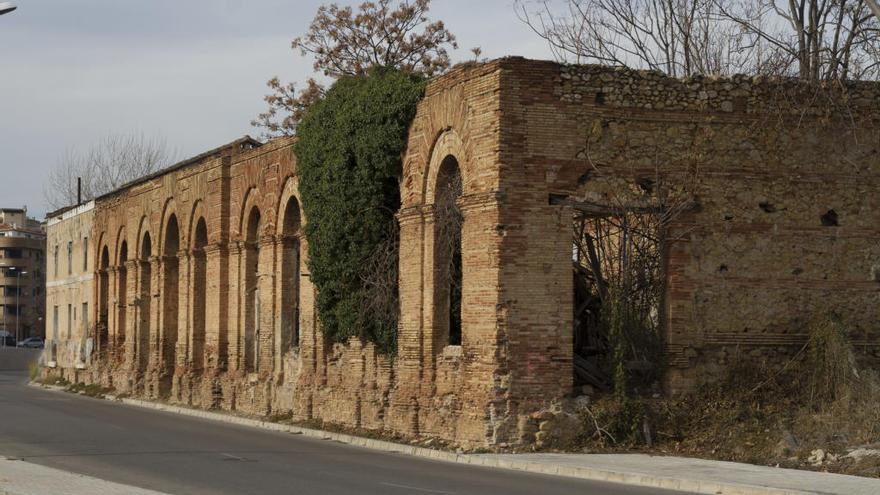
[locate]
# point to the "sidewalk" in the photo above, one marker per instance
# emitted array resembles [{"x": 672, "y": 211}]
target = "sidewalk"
[
  {"x": 690, "y": 475},
  {"x": 676, "y": 473},
  {"x": 23, "y": 478}
]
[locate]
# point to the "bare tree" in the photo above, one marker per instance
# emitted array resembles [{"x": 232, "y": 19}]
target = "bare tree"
[
  {"x": 814, "y": 39},
  {"x": 286, "y": 106},
  {"x": 345, "y": 43},
  {"x": 677, "y": 37},
  {"x": 817, "y": 39},
  {"x": 108, "y": 164}
]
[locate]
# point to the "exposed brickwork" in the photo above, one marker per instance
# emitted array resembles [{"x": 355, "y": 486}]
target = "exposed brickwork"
[{"x": 208, "y": 314}]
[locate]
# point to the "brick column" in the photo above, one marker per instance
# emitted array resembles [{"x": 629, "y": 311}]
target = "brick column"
[
  {"x": 112, "y": 313},
  {"x": 155, "y": 318},
  {"x": 266, "y": 277},
  {"x": 279, "y": 246},
  {"x": 236, "y": 309},
  {"x": 404, "y": 402},
  {"x": 144, "y": 330},
  {"x": 217, "y": 311},
  {"x": 183, "y": 350},
  {"x": 132, "y": 293}
]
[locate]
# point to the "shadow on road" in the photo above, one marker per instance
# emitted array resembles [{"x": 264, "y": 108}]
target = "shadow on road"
[{"x": 18, "y": 359}]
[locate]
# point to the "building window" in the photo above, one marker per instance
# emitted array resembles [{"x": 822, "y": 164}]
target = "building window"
[
  {"x": 55, "y": 260},
  {"x": 55, "y": 323},
  {"x": 84, "y": 317},
  {"x": 69, "y": 320},
  {"x": 85, "y": 254},
  {"x": 69, "y": 257}
]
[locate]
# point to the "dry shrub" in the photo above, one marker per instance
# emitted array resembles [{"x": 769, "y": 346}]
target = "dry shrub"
[{"x": 819, "y": 398}]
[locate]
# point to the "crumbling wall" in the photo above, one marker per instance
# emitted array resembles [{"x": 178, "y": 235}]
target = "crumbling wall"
[{"x": 783, "y": 225}]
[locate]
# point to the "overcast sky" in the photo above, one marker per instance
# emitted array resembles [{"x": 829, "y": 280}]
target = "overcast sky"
[{"x": 192, "y": 71}]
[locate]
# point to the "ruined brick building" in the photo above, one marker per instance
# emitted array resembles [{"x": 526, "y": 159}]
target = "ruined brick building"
[{"x": 203, "y": 296}]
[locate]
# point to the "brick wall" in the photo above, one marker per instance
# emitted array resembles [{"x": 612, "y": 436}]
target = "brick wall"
[{"x": 746, "y": 268}]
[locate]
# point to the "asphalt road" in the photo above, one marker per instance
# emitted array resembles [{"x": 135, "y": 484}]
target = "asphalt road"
[{"x": 181, "y": 455}]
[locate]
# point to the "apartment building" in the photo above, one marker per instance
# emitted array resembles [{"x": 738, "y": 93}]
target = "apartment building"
[
  {"x": 69, "y": 290},
  {"x": 22, "y": 274}
]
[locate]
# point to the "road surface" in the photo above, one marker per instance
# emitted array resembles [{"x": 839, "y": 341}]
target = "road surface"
[{"x": 183, "y": 455}]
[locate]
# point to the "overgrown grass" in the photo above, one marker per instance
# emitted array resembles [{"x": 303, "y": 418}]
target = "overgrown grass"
[{"x": 754, "y": 413}]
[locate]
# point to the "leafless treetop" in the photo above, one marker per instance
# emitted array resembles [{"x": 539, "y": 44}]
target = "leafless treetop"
[
  {"x": 108, "y": 164},
  {"x": 812, "y": 39}
]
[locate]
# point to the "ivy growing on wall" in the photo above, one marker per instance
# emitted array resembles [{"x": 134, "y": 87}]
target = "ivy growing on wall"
[{"x": 349, "y": 154}]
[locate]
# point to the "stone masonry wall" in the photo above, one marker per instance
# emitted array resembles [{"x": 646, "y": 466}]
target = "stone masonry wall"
[{"x": 785, "y": 227}]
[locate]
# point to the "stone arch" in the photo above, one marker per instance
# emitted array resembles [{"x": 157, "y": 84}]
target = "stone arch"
[
  {"x": 448, "y": 274},
  {"x": 170, "y": 287},
  {"x": 447, "y": 144},
  {"x": 290, "y": 237},
  {"x": 251, "y": 290},
  {"x": 199, "y": 239},
  {"x": 145, "y": 300},
  {"x": 142, "y": 233},
  {"x": 121, "y": 290},
  {"x": 102, "y": 330}
]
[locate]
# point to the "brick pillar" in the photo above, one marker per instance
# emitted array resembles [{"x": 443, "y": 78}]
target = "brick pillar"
[
  {"x": 266, "y": 277},
  {"x": 112, "y": 313},
  {"x": 142, "y": 319},
  {"x": 484, "y": 340},
  {"x": 309, "y": 339},
  {"x": 279, "y": 246},
  {"x": 155, "y": 317},
  {"x": 435, "y": 327},
  {"x": 217, "y": 311},
  {"x": 404, "y": 405},
  {"x": 183, "y": 350},
  {"x": 132, "y": 296},
  {"x": 236, "y": 310}
]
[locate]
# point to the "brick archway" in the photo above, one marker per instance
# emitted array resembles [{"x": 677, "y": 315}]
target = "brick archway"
[{"x": 170, "y": 306}]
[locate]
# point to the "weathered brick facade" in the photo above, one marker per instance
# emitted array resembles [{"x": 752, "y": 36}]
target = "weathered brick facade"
[{"x": 206, "y": 299}]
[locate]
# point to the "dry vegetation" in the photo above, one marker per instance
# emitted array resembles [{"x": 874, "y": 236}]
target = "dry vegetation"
[{"x": 818, "y": 411}]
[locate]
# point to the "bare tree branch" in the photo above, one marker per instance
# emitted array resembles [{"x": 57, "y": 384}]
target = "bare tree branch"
[{"x": 108, "y": 164}]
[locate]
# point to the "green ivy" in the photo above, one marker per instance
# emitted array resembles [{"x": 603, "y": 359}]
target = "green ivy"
[{"x": 349, "y": 153}]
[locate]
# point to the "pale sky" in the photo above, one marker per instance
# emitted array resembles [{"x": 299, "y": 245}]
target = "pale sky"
[{"x": 192, "y": 71}]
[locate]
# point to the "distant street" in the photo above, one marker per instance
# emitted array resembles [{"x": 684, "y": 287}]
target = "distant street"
[{"x": 183, "y": 455}]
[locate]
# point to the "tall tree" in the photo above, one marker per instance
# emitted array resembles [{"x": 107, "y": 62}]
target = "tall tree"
[
  {"x": 106, "y": 165},
  {"x": 344, "y": 43},
  {"x": 812, "y": 39}
]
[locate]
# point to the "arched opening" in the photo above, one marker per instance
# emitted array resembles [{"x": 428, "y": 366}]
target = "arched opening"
[
  {"x": 251, "y": 292},
  {"x": 200, "y": 289},
  {"x": 122, "y": 295},
  {"x": 146, "y": 303},
  {"x": 290, "y": 273},
  {"x": 102, "y": 331},
  {"x": 170, "y": 281},
  {"x": 447, "y": 251}
]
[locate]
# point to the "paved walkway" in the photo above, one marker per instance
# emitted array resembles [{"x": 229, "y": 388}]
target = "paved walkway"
[
  {"x": 692, "y": 475},
  {"x": 23, "y": 478}
]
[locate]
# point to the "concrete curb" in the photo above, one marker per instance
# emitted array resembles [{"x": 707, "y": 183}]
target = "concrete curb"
[{"x": 694, "y": 485}]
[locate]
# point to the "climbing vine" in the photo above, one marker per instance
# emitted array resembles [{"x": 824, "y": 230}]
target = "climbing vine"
[{"x": 349, "y": 153}]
